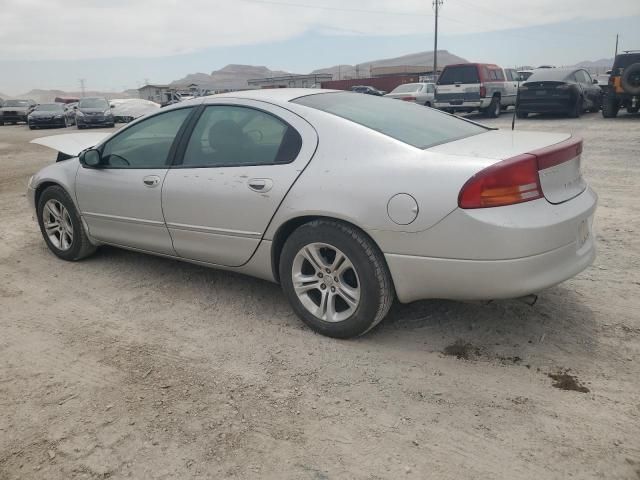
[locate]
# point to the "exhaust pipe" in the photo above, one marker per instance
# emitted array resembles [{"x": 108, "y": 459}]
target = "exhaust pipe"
[{"x": 529, "y": 299}]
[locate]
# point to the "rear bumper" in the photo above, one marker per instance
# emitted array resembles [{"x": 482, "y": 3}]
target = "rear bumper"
[
  {"x": 466, "y": 105},
  {"x": 417, "y": 278},
  {"x": 546, "y": 106}
]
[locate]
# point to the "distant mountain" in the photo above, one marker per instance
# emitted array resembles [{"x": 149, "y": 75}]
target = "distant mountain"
[
  {"x": 412, "y": 59},
  {"x": 231, "y": 77},
  {"x": 602, "y": 63},
  {"x": 47, "y": 96}
]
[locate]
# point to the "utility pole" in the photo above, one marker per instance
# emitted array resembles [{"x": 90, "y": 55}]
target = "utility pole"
[
  {"x": 436, "y": 4},
  {"x": 82, "y": 88},
  {"x": 617, "y": 35}
]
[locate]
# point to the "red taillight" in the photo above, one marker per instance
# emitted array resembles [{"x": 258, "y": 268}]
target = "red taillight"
[
  {"x": 483, "y": 91},
  {"x": 511, "y": 181},
  {"x": 409, "y": 99},
  {"x": 516, "y": 179}
]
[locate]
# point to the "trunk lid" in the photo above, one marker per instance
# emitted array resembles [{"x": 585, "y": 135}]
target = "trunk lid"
[{"x": 558, "y": 156}]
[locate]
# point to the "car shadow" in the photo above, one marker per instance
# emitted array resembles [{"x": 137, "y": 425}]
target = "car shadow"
[{"x": 560, "y": 323}]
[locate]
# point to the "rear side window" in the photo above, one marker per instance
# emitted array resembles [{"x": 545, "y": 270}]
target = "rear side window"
[
  {"x": 459, "y": 74},
  {"x": 495, "y": 74},
  {"x": 408, "y": 122},
  {"x": 230, "y": 136}
]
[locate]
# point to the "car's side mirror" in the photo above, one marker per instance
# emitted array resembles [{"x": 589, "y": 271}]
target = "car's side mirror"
[
  {"x": 90, "y": 158},
  {"x": 75, "y": 107},
  {"x": 595, "y": 81},
  {"x": 112, "y": 106}
]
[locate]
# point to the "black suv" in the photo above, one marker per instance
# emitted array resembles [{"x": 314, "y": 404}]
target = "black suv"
[{"x": 624, "y": 85}]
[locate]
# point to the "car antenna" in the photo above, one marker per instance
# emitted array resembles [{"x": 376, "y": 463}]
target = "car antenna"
[{"x": 515, "y": 108}]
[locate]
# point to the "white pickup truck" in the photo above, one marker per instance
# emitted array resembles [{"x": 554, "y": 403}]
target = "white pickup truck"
[{"x": 468, "y": 87}]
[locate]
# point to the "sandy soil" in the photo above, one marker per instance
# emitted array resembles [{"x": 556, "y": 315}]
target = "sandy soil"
[{"x": 131, "y": 366}]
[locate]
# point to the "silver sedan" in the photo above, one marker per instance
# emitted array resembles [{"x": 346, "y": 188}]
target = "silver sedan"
[
  {"x": 348, "y": 201},
  {"x": 421, "y": 93}
]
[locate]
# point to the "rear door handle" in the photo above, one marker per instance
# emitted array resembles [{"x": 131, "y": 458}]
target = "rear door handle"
[
  {"x": 260, "y": 185},
  {"x": 151, "y": 181}
]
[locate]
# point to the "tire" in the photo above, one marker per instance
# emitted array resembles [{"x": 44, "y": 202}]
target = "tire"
[
  {"x": 364, "y": 272},
  {"x": 79, "y": 245},
  {"x": 427, "y": 104},
  {"x": 577, "y": 109},
  {"x": 112, "y": 125},
  {"x": 31, "y": 128},
  {"x": 610, "y": 106},
  {"x": 630, "y": 80},
  {"x": 597, "y": 105},
  {"x": 633, "y": 109},
  {"x": 521, "y": 114},
  {"x": 494, "y": 109},
  {"x": 80, "y": 127}
]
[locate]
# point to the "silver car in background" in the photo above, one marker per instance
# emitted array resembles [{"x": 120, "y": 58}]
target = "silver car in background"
[
  {"x": 347, "y": 200},
  {"x": 420, "y": 93}
]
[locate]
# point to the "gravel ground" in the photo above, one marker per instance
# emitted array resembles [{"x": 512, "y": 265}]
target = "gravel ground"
[{"x": 132, "y": 366}]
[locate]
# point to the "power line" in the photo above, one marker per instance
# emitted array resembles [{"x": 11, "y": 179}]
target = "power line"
[{"x": 338, "y": 9}]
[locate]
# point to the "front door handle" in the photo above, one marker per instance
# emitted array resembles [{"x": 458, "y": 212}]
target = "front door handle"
[
  {"x": 151, "y": 181},
  {"x": 260, "y": 185}
]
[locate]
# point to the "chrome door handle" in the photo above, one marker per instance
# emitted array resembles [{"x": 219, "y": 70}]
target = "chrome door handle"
[
  {"x": 260, "y": 185},
  {"x": 151, "y": 181}
]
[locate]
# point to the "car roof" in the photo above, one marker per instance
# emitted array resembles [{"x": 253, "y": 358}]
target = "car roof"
[{"x": 269, "y": 94}]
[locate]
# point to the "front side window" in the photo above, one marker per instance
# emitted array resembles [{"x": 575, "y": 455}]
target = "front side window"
[
  {"x": 230, "y": 136},
  {"x": 145, "y": 144},
  {"x": 408, "y": 122}
]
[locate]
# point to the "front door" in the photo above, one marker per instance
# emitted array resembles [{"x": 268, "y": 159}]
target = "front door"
[
  {"x": 121, "y": 201},
  {"x": 240, "y": 162}
]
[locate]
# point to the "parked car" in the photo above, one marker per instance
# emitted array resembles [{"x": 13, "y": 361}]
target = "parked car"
[
  {"x": 624, "y": 85},
  {"x": 126, "y": 110},
  {"x": 484, "y": 87},
  {"x": 559, "y": 90},
  {"x": 51, "y": 115},
  {"x": 420, "y": 93},
  {"x": 94, "y": 112},
  {"x": 368, "y": 90},
  {"x": 346, "y": 200},
  {"x": 14, "y": 111}
]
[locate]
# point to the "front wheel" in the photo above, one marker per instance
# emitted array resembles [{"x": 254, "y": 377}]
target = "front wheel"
[
  {"x": 335, "y": 278},
  {"x": 577, "y": 109},
  {"x": 61, "y": 226}
]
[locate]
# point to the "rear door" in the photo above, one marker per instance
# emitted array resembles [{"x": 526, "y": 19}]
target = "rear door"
[
  {"x": 237, "y": 165},
  {"x": 511, "y": 85}
]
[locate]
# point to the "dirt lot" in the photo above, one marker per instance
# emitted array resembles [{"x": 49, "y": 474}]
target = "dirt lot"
[{"x": 131, "y": 366}]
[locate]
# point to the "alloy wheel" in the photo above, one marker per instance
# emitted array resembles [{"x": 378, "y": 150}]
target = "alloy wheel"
[
  {"x": 57, "y": 225},
  {"x": 326, "y": 282}
]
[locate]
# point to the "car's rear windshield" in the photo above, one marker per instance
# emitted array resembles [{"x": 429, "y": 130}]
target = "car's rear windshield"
[
  {"x": 16, "y": 103},
  {"x": 408, "y": 87},
  {"x": 549, "y": 75},
  {"x": 410, "y": 123},
  {"x": 50, "y": 107},
  {"x": 459, "y": 74},
  {"x": 93, "y": 103}
]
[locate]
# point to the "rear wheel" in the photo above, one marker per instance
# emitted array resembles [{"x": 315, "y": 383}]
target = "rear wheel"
[
  {"x": 427, "y": 104},
  {"x": 610, "y": 106},
  {"x": 493, "y": 110},
  {"x": 61, "y": 226},
  {"x": 576, "y": 110},
  {"x": 633, "y": 109},
  {"x": 335, "y": 278}
]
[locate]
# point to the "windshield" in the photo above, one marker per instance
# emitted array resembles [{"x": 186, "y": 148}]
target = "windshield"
[
  {"x": 461, "y": 74},
  {"x": 408, "y": 87},
  {"x": 16, "y": 103},
  {"x": 50, "y": 107},
  {"x": 408, "y": 122},
  {"x": 93, "y": 103}
]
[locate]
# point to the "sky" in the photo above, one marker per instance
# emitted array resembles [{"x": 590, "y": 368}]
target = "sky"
[{"x": 119, "y": 44}]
